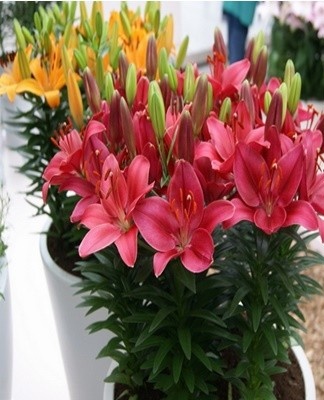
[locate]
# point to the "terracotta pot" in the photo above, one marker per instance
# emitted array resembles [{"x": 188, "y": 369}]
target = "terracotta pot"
[
  {"x": 5, "y": 333},
  {"x": 85, "y": 374},
  {"x": 310, "y": 391}
]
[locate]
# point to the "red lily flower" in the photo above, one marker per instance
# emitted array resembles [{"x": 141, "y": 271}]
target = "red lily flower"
[
  {"x": 180, "y": 225},
  {"x": 268, "y": 194},
  {"x": 110, "y": 221}
]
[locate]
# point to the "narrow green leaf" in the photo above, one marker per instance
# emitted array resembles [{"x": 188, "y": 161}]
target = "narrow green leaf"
[
  {"x": 207, "y": 315},
  {"x": 189, "y": 379},
  {"x": 202, "y": 357},
  {"x": 271, "y": 338},
  {"x": 256, "y": 316},
  {"x": 177, "y": 363},
  {"x": 184, "y": 336},
  {"x": 281, "y": 314},
  {"x": 186, "y": 277},
  {"x": 238, "y": 297},
  {"x": 263, "y": 285},
  {"x": 247, "y": 340},
  {"x": 160, "y": 317},
  {"x": 163, "y": 351}
]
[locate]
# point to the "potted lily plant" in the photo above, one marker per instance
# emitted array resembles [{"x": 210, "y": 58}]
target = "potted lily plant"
[
  {"x": 199, "y": 195},
  {"x": 46, "y": 72}
]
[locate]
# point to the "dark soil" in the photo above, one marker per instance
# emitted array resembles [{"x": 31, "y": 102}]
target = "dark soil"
[{"x": 288, "y": 386}]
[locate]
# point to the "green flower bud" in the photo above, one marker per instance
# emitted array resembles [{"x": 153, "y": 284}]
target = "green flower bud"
[
  {"x": 123, "y": 68},
  {"x": 156, "y": 109},
  {"x": 47, "y": 43},
  {"x": 189, "y": 83},
  {"x": 67, "y": 33},
  {"x": 114, "y": 48},
  {"x": 57, "y": 13},
  {"x": 182, "y": 52},
  {"x": 99, "y": 24},
  {"x": 163, "y": 63},
  {"x": 267, "y": 101},
  {"x": 186, "y": 149},
  {"x": 88, "y": 30},
  {"x": 80, "y": 58},
  {"x": 37, "y": 22},
  {"x": 131, "y": 84},
  {"x": 49, "y": 25},
  {"x": 275, "y": 113},
  {"x": 257, "y": 46},
  {"x": 172, "y": 77},
  {"x": 72, "y": 10},
  {"x": 284, "y": 95},
  {"x": 225, "y": 110},
  {"x": 19, "y": 34},
  {"x": 260, "y": 69},
  {"x": 28, "y": 36},
  {"x": 100, "y": 73},
  {"x": 108, "y": 87},
  {"x": 23, "y": 64},
  {"x": 210, "y": 98},
  {"x": 246, "y": 96},
  {"x": 289, "y": 73},
  {"x": 83, "y": 12},
  {"x": 294, "y": 93},
  {"x": 125, "y": 24}
]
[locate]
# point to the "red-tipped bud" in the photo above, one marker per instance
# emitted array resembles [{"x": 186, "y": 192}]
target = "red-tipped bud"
[
  {"x": 246, "y": 96},
  {"x": 199, "y": 104},
  {"x": 151, "y": 58},
  {"x": 274, "y": 116},
  {"x": 127, "y": 128},
  {"x": 123, "y": 68},
  {"x": 186, "y": 137},
  {"x": 219, "y": 44},
  {"x": 260, "y": 68},
  {"x": 115, "y": 120},
  {"x": 92, "y": 91}
]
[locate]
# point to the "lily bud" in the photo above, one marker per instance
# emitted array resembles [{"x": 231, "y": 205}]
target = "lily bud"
[
  {"x": 182, "y": 52},
  {"x": 23, "y": 64},
  {"x": 156, "y": 109},
  {"x": 99, "y": 25},
  {"x": 28, "y": 36},
  {"x": 49, "y": 25},
  {"x": 19, "y": 34},
  {"x": 57, "y": 13},
  {"x": 189, "y": 83},
  {"x": 151, "y": 58},
  {"x": 75, "y": 99},
  {"x": 72, "y": 10},
  {"x": 274, "y": 116},
  {"x": 123, "y": 68},
  {"x": 289, "y": 73},
  {"x": 115, "y": 120},
  {"x": 67, "y": 65},
  {"x": 225, "y": 110},
  {"x": 210, "y": 98},
  {"x": 163, "y": 62},
  {"x": 199, "y": 104},
  {"x": 114, "y": 48},
  {"x": 108, "y": 87},
  {"x": 294, "y": 93},
  {"x": 87, "y": 29},
  {"x": 83, "y": 12},
  {"x": 37, "y": 22},
  {"x": 260, "y": 68},
  {"x": 284, "y": 94},
  {"x": 125, "y": 24},
  {"x": 92, "y": 91},
  {"x": 100, "y": 73},
  {"x": 219, "y": 44},
  {"x": 246, "y": 96},
  {"x": 186, "y": 148},
  {"x": 172, "y": 78},
  {"x": 131, "y": 84},
  {"x": 166, "y": 91},
  {"x": 96, "y": 8},
  {"x": 267, "y": 101},
  {"x": 257, "y": 46},
  {"x": 67, "y": 33},
  {"x": 47, "y": 43},
  {"x": 80, "y": 58},
  {"x": 127, "y": 128}
]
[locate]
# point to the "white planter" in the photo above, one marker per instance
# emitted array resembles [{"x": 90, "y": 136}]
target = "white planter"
[
  {"x": 85, "y": 374},
  {"x": 5, "y": 333},
  {"x": 310, "y": 391}
]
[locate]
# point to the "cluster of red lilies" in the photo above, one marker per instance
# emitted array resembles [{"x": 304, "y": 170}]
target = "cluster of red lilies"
[{"x": 169, "y": 159}]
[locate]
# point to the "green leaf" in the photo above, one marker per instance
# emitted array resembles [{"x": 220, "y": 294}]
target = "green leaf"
[
  {"x": 271, "y": 338},
  {"x": 184, "y": 336},
  {"x": 207, "y": 315},
  {"x": 247, "y": 339},
  {"x": 177, "y": 363},
  {"x": 263, "y": 285},
  {"x": 187, "y": 278},
  {"x": 160, "y": 317},
  {"x": 189, "y": 379},
  {"x": 201, "y": 355},
  {"x": 161, "y": 354},
  {"x": 256, "y": 316},
  {"x": 281, "y": 314},
  {"x": 238, "y": 297}
]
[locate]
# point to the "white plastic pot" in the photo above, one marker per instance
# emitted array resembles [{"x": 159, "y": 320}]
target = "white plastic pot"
[
  {"x": 5, "y": 333},
  {"x": 310, "y": 391},
  {"x": 85, "y": 374}
]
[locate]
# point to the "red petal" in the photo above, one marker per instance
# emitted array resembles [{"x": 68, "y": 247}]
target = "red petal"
[
  {"x": 301, "y": 213},
  {"x": 161, "y": 260},
  {"x": 199, "y": 255},
  {"x": 215, "y": 213},
  {"x": 270, "y": 223},
  {"x": 127, "y": 246},
  {"x": 98, "y": 238}
]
